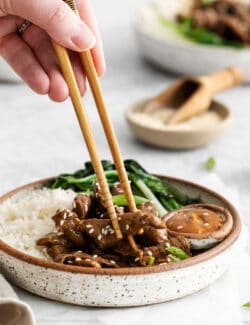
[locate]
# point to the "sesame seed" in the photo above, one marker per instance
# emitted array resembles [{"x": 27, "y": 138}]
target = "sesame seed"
[
  {"x": 91, "y": 230},
  {"x": 168, "y": 244},
  {"x": 61, "y": 222},
  {"x": 69, "y": 262},
  {"x": 127, "y": 227},
  {"x": 103, "y": 231},
  {"x": 99, "y": 237},
  {"x": 205, "y": 213},
  {"x": 95, "y": 256},
  {"x": 164, "y": 237},
  {"x": 112, "y": 262},
  {"x": 78, "y": 259},
  {"x": 169, "y": 260},
  {"x": 79, "y": 251},
  {"x": 60, "y": 233},
  {"x": 206, "y": 224},
  {"x": 137, "y": 259},
  {"x": 87, "y": 260},
  {"x": 89, "y": 226},
  {"x": 150, "y": 253},
  {"x": 111, "y": 231},
  {"x": 180, "y": 227}
]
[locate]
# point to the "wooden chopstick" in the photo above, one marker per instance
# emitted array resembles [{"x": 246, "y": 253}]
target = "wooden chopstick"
[
  {"x": 76, "y": 99},
  {"x": 93, "y": 79},
  {"x": 89, "y": 68}
]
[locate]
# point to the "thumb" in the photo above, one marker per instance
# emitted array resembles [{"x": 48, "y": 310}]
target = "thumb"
[{"x": 56, "y": 18}]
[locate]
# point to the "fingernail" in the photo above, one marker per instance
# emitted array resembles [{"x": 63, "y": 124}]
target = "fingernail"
[{"x": 83, "y": 38}]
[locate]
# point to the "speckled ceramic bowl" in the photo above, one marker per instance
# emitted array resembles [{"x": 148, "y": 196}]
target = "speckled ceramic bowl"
[
  {"x": 124, "y": 286},
  {"x": 172, "y": 52}
]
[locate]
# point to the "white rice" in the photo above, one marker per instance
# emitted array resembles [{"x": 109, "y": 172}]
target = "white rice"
[{"x": 26, "y": 217}]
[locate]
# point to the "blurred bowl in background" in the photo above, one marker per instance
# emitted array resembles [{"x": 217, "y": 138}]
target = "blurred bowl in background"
[
  {"x": 172, "y": 52},
  {"x": 6, "y": 73}
]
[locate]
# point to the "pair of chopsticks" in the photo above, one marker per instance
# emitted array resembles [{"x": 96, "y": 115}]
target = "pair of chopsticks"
[{"x": 76, "y": 99}]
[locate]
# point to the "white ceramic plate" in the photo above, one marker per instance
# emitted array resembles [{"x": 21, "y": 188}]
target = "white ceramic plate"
[
  {"x": 174, "y": 53},
  {"x": 122, "y": 286}
]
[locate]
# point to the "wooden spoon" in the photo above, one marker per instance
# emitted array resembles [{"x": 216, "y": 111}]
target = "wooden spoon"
[{"x": 192, "y": 96}]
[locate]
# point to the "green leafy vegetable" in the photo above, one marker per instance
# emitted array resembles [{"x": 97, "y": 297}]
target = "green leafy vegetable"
[
  {"x": 210, "y": 163},
  {"x": 151, "y": 261},
  {"x": 247, "y": 304},
  {"x": 177, "y": 253},
  {"x": 121, "y": 200},
  {"x": 145, "y": 187},
  {"x": 187, "y": 29}
]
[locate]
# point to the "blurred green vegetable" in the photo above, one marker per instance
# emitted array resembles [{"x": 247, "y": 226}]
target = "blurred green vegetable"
[
  {"x": 187, "y": 29},
  {"x": 210, "y": 163}
]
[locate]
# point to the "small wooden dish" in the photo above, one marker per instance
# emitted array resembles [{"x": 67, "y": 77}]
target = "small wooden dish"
[{"x": 176, "y": 138}]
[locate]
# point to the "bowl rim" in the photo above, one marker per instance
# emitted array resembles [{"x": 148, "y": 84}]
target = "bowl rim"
[
  {"x": 210, "y": 253},
  {"x": 225, "y": 121}
]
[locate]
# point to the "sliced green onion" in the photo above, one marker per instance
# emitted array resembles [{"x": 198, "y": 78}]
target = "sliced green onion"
[
  {"x": 210, "y": 163},
  {"x": 121, "y": 200},
  {"x": 177, "y": 252},
  {"x": 247, "y": 304},
  {"x": 174, "y": 258},
  {"x": 151, "y": 261}
]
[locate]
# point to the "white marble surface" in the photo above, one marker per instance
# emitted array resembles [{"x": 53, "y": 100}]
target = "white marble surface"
[{"x": 39, "y": 138}]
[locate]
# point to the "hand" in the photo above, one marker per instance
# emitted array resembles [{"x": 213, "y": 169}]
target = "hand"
[{"x": 31, "y": 54}]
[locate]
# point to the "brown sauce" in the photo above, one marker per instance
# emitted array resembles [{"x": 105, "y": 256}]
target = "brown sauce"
[{"x": 195, "y": 221}]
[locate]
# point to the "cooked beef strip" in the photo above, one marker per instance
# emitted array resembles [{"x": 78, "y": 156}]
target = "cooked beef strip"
[
  {"x": 56, "y": 244},
  {"x": 124, "y": 249},
  {"x": 152, "y": 236},
  {"x": 60, "y": 217},
  {"x": 147, "y": 207},
  {"x": 82, "y": 205},
  {"x": 57, "y": 250},
  {"x": 100, "y": 231},
  {"x": 132, "y": 223},
  {"x": 53, "y": 238},
  {"x": 118, "y": 210},
  {"x": 224, "y": 17},
  {"x": 82, "y": 259},
  {"x": 72, "y": 229},
  {"x": 117, "y": 189}
]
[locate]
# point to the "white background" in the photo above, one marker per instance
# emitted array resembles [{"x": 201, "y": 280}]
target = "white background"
[{"x": 39, "y": 138}]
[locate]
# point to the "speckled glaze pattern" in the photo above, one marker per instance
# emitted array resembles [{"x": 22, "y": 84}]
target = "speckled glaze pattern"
[
  {"x": 124, "y": 286},
  {"x": 111, "y": 290}
]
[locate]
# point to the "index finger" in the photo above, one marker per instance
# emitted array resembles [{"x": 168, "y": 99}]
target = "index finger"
[{"x": 87, "y": 15}]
